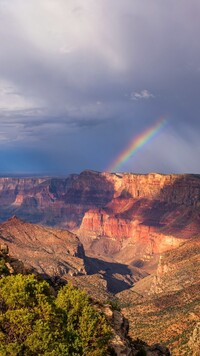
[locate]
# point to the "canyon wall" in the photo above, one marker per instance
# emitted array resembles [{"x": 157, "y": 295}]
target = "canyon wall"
[
  {"x": 147, "y": 215},
  {"x": 111, "y": 213},
  {"x": 79, "y": 193}
]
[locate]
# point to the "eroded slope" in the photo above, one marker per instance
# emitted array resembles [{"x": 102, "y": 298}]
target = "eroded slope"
[
  {"x": 166, "y": 306},
  {"x": 50, "y": 252}
]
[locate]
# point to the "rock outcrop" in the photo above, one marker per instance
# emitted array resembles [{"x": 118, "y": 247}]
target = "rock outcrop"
[
  {"x": 59, "y": 255},
  {"x": 122, "y": 345},
  {"x": 50, "y": 252}
]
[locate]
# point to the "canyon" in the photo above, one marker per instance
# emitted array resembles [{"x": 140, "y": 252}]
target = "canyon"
[
  {"x": 161, "y": 307},
  {"x": 132, "y": 236},
  {"x": 129, "y": 217}
]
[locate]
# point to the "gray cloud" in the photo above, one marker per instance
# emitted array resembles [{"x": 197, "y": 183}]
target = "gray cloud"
[{"x": 68, "y": 70}]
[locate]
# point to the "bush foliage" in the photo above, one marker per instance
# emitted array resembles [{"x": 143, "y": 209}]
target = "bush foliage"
[{"x": 35, "y": 321}]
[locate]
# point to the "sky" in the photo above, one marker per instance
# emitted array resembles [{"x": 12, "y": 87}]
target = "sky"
[{"x": 81, "y": 79}]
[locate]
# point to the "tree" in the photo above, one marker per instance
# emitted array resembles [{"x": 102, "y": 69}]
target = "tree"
[
  {"x": 33, "y": 321},
  {"x": 90, "y": 328}
]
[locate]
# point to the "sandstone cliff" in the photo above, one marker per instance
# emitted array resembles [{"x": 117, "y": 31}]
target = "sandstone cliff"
[{"x": 147, "y": 215}]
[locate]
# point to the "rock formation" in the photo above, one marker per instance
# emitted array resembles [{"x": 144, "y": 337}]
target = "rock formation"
[
  {"x": 50, "y": 252},
  {"x": 147, "y": 215},
  {"x": 59, "y": 254},
  {"x": 127, "y": 216},
  {"x": 165, "y": 306}
]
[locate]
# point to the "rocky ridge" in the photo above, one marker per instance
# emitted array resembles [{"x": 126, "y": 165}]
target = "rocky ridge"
[
  {"x": 48, "y": 251},
  {"x": 55, "y": 253},
  {"x": 165, "y": 306}
]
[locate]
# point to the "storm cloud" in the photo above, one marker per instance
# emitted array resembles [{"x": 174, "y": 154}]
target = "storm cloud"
[{"x": 80, "y": 79}]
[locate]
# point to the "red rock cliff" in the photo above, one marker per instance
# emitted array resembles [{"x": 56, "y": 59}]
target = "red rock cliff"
[
  {"x": 148, "y": 214},
  {"x": 117, "y": 206}
]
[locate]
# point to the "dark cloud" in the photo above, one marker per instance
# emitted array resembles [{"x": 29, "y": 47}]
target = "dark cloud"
[{"x": 78, "y": 80}]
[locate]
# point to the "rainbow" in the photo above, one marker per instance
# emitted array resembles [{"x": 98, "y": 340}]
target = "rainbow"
[{"x": 137, "y": 143}]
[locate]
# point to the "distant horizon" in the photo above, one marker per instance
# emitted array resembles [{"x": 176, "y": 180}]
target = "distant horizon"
[{"x": 52, "y": 175}]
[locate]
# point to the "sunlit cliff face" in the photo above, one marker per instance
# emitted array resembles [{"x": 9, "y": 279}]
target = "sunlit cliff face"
[{"x": 126, "y": 214}]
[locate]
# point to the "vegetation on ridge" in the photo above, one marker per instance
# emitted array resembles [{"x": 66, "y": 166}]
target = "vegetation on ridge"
[{"x": 36, "y": 321}]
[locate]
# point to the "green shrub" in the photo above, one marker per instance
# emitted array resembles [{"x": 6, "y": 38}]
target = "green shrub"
[
  {"x": 89, "y": 328},
  {"x": 35, "y": 322},
  {"x": 4, "y": 271},
  {"x": 115, "y": 304}
]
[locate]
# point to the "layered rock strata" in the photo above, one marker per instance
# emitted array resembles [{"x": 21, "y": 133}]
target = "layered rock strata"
[
  {"x": 50, "y": 252},
  {"x": 128, "y": 216}
]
